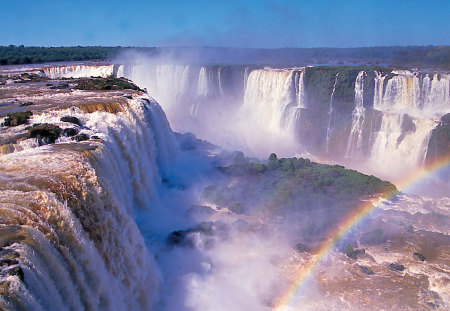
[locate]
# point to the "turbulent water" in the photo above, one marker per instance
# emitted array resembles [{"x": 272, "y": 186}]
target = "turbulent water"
[
  {"x": 392, "y": 126},
  {"x": 88, "y": 223},
  {"x": 259, "y": 110},
  {"x": 68, "y": 213}
]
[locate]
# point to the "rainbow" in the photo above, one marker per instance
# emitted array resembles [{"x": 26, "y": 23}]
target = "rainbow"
[{"x": 285, "y": 301}]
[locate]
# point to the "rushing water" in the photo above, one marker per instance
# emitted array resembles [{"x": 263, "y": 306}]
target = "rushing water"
[{"x": 87, "y": 222}]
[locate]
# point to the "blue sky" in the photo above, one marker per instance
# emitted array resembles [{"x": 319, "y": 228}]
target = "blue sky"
[{"x": 264, "y": 23}]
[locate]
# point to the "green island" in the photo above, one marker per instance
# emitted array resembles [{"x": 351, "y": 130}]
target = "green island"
[{"x": 320, "y": 193}]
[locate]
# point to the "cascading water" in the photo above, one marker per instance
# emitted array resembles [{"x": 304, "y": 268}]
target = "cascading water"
[
  {"x": 272, "y": 101},
  {"x": 67, "y": 213},
  {"x": 411, "y": 108},
  {"x": 354, "y": 141},
  {"x": 331, "y": 116},
  {"x": 79, "y": 71},
  {"x": 207, "y": 100}
]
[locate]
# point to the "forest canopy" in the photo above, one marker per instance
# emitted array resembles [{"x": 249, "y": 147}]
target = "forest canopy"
[{"x": 418, "y": 56}]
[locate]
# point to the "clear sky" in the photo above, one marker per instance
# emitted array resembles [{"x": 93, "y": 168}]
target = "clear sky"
[{"x": 251, "y": 23}]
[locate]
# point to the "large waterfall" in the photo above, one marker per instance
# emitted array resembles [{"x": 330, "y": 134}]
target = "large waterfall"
[
  {"x": 136, "y": 217},
  {"x": 68, "y": 212},
  {"x": 373, "y": 116}
]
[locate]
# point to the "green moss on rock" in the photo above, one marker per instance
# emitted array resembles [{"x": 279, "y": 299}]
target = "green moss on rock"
[
  {"x": 109, "y": 83},
  {"x": 45, "y": 133},
  {"x": 70, "y": 119},
  {"x": 17, "y": 118}
]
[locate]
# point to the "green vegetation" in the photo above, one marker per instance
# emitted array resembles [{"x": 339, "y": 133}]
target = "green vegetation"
[
  {"x": 70, "y": 119},
  {"x": 366, "y": 270},
  {"x": 14, "y": 55},
  {"x": 17, "y": 118},
  {"x": 81, "y": 137},
  {"x": 304, "y": 175},
  {"x": 319, "y": 83},
  {"x": 353, "y": 253},
  {"x": 45, "y": 133},
  {"x": 110, "y": 83},
  {"x": 29, "y": 77},
  {"x": 70, "y": 131},
  {"x": 419, "y": 56},
  {"x": 317, "y": 194}
]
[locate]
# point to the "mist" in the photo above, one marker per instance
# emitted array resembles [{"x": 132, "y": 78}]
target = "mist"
[{"x": 220, "y": 241}]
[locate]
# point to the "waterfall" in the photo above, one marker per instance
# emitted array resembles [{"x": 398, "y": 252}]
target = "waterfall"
[
  {"x": 220, "y": 80},
  {"x": 331, "y": 116},
  {"x": 202, "y": 88},
  {"x": 411, "y": 107},
  {"x": 273, "y": 96},
  {"x": 229, "y": 110},
  {"x": 354, "y": 140},
  {"x": 68, "y": 210},
  {"x": 78, "y": 71}
]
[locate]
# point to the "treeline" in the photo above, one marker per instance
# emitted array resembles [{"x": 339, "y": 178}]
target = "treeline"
[
  {"x": 15, "y": 55},
  {"x": 417, "y": 56}
]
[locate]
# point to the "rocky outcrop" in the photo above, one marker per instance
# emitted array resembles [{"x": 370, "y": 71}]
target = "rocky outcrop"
[{"x": 439, "y": 143}]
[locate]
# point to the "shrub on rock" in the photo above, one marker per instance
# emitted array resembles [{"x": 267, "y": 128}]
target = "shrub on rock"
[
  {"x": 81, "y": 137},
  {"x": 366, "y": 270},
  {"x": 73, "y": 120},
  {"x": 45, "y": 133},
  {"x": 70, "y": 131},
  {"x": 17, "y": 118}
]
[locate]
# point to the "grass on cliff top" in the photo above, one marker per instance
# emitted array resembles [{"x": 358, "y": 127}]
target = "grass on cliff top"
[{"x": 106, "y": 84}]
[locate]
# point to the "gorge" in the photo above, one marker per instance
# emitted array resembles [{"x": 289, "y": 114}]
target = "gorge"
[{"x": 136, "y": 216}]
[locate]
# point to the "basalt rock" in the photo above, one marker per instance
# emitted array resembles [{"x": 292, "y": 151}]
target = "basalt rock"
[
  {"x": 70, "y": 119},
  {"x": 45, "y": 133}
]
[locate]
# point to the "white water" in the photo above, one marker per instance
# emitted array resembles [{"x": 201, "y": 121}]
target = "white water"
[
  {"x": 79, "y": 246},
  {"x": 331, "y": 116},
  {"x": 118, "y": 184},
  {"x": 78, "y": 71},
  {"x": 424, "y": 101},
  {"x": 354, "y": 140},
  {"x": 266, "y": 118}
]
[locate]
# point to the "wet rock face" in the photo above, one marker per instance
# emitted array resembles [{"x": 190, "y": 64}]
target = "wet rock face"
[
  {"x": 396, "y": 267},
  {"x": 46, "y": 133},
  {"x": 17, "y": 118},
  {"x": 70, "y": 131},
  {"x": 73, "y": 120},
  {"x": 366, "y": 270},
  {"x": 439, "y": 144},
  {"x": 419, "y": 256}
]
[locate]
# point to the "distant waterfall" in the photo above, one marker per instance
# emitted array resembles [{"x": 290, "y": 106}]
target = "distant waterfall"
[
  {"x": 331, "y": 116},
  {"x": 354, "y": 141},
  {"x": 385, "y": 115},
  {"x": 78, "y": 71},
  {"x": 272, "y": 97}
]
